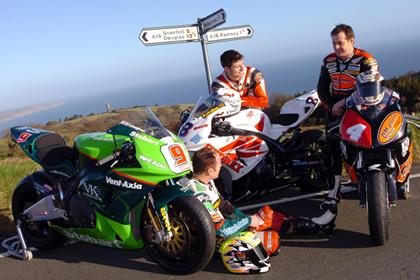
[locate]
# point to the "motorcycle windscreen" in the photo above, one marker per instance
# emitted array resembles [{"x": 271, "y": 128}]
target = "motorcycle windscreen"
[{"x": 356, "y": 130}]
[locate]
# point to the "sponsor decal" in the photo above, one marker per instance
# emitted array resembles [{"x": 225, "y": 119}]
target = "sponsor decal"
[
  {"x": 332, "y": 70},
  {"x": 90, "y": 239},
  {"x": 341, "y": 81},
  {"x": 356, "y": 60},
  {"x": 221, "y": 105},
  {"x": 250, "y": 114},
  {"x": 236, "y": 227},
  {"x": 131, "y": 126},
  {"x": 152, "y": 161},
  {"x": 92, "y": 191},
  {"x": 201, "y": 126},
  {"x": 370, "y": 61},
  {"x": 196, "y": 138},
  {"x": 354, "y": 67},
  {"x": 29, "y": 129},
  {"x": 342, "y": 67},
  {"x": 103, "y": 139},
  {"x": 390, "y": 127},
  {"x": 331, "y": 59},
  {"x": 123, "y": 184},
  {"x": 23, "y": 137},
  {"x": 144, "y": 138},
  {"x": 165, "y": 219},
  {"x": 258, "y": 77},
  {"x": 331, "y": 65}
]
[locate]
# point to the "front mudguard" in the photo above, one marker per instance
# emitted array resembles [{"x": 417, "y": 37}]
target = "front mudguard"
[{"x": 163, "y": 195}]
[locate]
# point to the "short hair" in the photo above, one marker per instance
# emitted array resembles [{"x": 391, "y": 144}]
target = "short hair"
[
  {"x": 229, "y": 57},
  {"x": 204, "y": 159},
  {"x": 348, "y": 31}
]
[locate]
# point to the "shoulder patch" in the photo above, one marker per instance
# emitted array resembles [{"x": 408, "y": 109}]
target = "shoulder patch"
[{"x": 330, "y": 58}]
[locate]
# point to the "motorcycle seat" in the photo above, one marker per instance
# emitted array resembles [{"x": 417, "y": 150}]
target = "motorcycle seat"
[{"x": 52, "y": 150}]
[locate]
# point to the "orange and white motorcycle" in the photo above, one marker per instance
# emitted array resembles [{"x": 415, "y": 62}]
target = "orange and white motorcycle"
[{"x": 258, "y": 156}]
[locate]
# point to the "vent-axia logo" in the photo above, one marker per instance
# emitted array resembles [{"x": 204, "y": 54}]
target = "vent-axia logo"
[{"x": 123, "y": 184}]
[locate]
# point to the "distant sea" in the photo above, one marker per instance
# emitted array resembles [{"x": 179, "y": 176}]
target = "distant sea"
[{"x": 285, "y": 77}]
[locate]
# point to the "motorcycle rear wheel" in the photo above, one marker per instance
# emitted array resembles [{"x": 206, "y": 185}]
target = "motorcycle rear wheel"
[
  {"x": 36, "y": 234},
  {"x": 378, "y": 207},
  {"x": 194, "y": 241}
]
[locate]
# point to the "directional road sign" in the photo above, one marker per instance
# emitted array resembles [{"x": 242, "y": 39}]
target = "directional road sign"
[
  {"x": 230, "y": 33},
  {"x": 169, "y": 34},
  {"x": 211, "y": 21}
]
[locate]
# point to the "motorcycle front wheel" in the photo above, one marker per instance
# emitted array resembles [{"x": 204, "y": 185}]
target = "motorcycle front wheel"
[
  {"x": 193, "y": 242},
  {"x": 378, "y": 207}
]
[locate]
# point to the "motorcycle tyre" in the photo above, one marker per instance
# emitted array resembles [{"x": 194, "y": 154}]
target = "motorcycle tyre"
[
  {"x": 23, "y": 197},
  {"x": 205, "y": 231},
  {"x": 378, "y": 207}
]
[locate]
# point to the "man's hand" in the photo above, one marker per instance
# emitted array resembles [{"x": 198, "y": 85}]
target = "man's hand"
[{"x": 338, "y": 108}]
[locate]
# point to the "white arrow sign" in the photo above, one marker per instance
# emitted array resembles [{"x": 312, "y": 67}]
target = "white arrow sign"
[
  {"x": 211, "y": 21},
  {"x": 169, "y": 35},
  {"x": 230, "y": 33}
]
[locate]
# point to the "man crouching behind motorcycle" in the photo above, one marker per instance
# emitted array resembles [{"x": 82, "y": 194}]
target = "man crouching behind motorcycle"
[{"x": 244, "y": 241}]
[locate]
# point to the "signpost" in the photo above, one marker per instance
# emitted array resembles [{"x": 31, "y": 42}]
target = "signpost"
[
  {"x": 211, "y": 21},
  {"x": 230, "y": 33},
  {"x": 169, "y": 35},
  {"x": 203, "y": 31}
]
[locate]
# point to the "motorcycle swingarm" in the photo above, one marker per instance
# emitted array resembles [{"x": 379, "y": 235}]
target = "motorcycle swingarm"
[{"x": 44, "y": 210}]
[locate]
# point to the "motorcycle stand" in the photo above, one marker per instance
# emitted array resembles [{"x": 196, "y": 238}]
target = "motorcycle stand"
[{"x": 16, "y": 246}]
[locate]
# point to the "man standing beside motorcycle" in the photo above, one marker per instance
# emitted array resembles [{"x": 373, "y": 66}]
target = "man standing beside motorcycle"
[
  {"x": 233, "y": 227},
  {"x": 336, "y": 82},
  {"x": 246, "y": 80}
]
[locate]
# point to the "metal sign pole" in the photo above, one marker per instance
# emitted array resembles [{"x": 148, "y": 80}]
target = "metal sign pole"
[{"x": 205, "y": 55}]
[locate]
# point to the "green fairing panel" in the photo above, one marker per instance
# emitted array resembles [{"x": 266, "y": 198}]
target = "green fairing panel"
[
  {"x": 106, "y": 231},
  {"x": 98, "y": 145},
  {"x": 164, "y": 195}
]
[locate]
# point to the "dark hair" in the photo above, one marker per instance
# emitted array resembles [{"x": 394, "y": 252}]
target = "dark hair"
[
  {"x": 203, "y": 159},
  {"x": 229, "y": 57},
  {"x": 348, "y": 31}
]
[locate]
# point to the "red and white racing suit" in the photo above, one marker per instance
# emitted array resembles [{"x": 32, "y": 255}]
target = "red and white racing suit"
[{"x": 251, "y": 87}]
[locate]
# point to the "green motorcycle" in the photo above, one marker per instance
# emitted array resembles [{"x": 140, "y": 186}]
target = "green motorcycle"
[{"x": 115, "y": 189}]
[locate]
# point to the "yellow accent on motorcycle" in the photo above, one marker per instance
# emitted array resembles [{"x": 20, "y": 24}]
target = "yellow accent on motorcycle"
[
  {"x": 165, "y": 219},
  {"x": 390, "y": 127}
]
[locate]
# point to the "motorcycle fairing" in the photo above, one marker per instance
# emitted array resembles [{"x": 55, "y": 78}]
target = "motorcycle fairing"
[
  {"x": 356, "y": 130},
  {"x": 107, "y": 232}
]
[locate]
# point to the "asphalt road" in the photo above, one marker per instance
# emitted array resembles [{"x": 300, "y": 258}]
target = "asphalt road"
[{"x": 346, "y": 255}]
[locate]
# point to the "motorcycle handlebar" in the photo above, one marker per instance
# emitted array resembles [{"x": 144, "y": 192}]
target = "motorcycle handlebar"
[{"x": 109, "y": 158}]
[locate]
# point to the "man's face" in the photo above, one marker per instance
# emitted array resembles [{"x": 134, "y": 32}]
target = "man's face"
[
  {"x": 215, "y": 170},
  {"x": 236, "y": 71},
  {"x": 342, "y": 46}
]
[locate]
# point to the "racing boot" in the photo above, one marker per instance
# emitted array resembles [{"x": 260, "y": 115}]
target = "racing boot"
[
  {"x": 334, "y": 194},
  {"x": 323, "y": 224}
]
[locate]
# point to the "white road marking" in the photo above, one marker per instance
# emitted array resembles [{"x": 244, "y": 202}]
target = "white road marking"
[{"x": 294, "y": 198}]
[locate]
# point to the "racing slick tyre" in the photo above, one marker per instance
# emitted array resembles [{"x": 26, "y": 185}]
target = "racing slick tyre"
[
  {"x": 192, "y": 245},
  {"x": 36, "y": 234},
  {"x": 378, "y": 207}
]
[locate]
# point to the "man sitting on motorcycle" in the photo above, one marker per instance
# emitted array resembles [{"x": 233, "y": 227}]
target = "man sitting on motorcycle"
[
  {"x": 229, "y": 221},
  {"x": 246, "y": 80}
]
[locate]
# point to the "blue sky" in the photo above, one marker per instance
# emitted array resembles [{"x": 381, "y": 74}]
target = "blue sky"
[{"x": 52, "y": 50}]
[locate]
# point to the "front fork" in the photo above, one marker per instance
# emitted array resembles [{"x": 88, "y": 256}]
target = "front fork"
[
  {"x": 390, "y": 177},
  {"x": 160, "y": 221}
]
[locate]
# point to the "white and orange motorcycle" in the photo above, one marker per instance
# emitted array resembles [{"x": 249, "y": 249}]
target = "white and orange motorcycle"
[{"x": 258, "y": 156}]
